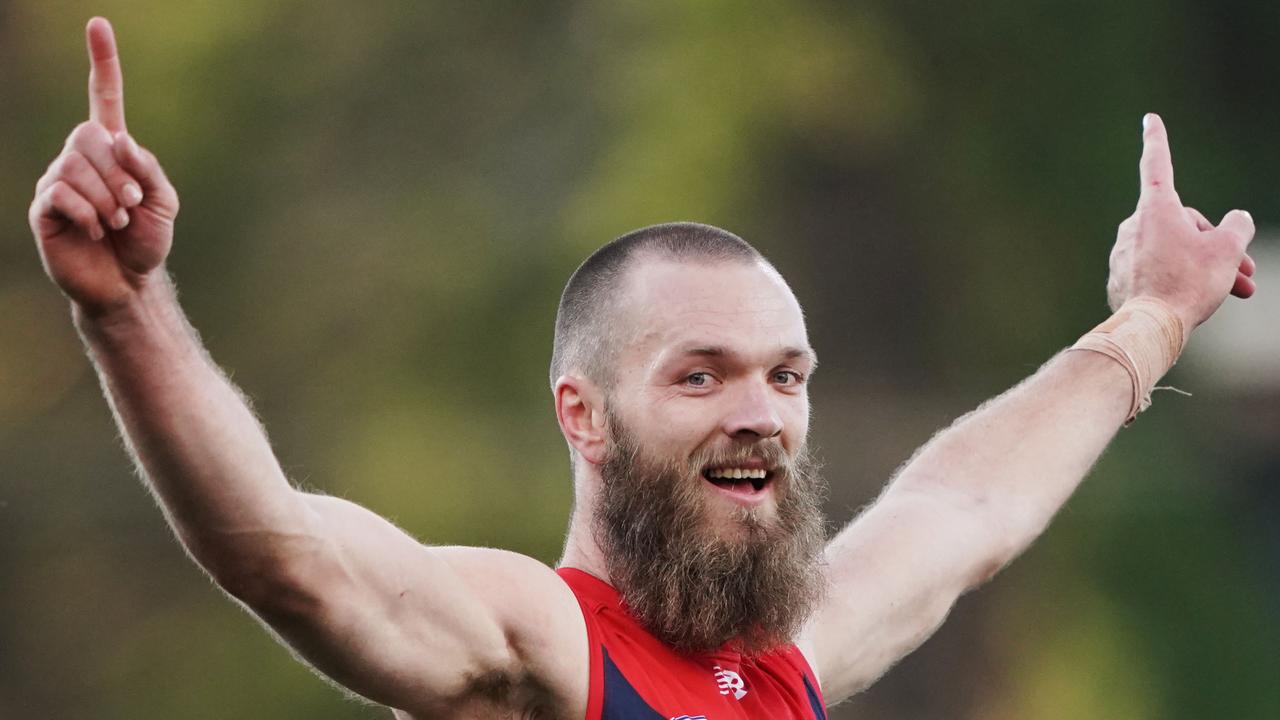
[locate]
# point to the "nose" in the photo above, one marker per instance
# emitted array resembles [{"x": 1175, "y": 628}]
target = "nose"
[{"x": 752, "y": 415}]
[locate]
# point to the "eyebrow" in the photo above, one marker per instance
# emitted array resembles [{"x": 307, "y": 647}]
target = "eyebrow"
[{"x": 717, "y": 351}]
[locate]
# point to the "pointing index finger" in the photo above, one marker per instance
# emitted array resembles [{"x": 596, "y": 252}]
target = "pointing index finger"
[
  {"x": 1156, "y": 167},
  {"x": 106, "y": 82}
]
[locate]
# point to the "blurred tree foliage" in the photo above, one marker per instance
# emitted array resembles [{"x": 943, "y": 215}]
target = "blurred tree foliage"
[{"x": 381, "y": 202}]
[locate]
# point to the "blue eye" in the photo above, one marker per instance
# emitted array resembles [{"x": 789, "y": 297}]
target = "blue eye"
[
  {"x": 698, "y": 379},
  {"x": 788, "y": 377}
]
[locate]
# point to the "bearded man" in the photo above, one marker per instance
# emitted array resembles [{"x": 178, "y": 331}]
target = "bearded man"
[{"x": 696, "y": 581}]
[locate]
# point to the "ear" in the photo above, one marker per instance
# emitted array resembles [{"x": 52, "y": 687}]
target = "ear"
[{"x": 580, "y": 412}]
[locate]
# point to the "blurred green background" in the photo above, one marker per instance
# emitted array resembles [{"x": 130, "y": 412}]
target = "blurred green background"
[{"x": 382, "y": 201}]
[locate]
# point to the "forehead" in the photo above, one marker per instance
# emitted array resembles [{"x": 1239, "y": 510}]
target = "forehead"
[{"x": 744, "y": 306}]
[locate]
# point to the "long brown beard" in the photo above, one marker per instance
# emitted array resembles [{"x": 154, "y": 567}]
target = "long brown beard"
[{"x": 690, "y": 587}]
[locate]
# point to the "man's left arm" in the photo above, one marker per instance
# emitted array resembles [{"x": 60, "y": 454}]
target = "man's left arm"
[{"x": 979, "y": 493}]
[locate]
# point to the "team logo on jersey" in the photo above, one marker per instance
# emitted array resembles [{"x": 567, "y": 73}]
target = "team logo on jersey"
[{"x": 730, "y": 682}]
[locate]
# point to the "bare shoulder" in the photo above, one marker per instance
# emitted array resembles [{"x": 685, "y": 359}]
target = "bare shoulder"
[
  {"x": 537, "y": 607},
  {"x": 543, "y": 623}
]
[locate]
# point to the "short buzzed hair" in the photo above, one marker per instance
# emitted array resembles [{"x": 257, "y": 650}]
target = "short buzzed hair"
[{"x": 585, "y": 331}]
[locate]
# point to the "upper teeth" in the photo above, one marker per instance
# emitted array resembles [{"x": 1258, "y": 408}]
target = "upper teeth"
[{"x": 736, "y": 473}]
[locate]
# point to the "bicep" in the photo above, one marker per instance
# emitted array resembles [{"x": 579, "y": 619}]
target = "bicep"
[
  {"x": 412, "y": 626},
  {"x": 894, "y": 574}
]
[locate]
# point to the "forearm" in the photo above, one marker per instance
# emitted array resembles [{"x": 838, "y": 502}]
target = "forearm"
[
  {"x": 1016, "y": 459},
  {"x": 196, "y": 443},
  {"x": 966, "y": 504}
]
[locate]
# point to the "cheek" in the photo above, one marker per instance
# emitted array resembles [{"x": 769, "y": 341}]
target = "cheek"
[
  {"x": 796, "y": 421},
  {"x": 687, "y": 426},
  {"x": 680, "y": 427}
]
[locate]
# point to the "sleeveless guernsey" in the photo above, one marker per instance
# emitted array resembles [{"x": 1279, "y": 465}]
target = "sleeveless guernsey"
[{"x": 635, "y": 677}]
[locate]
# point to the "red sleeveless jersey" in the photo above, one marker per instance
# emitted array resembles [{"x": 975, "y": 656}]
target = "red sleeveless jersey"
[{"x": 634, "y": 676}]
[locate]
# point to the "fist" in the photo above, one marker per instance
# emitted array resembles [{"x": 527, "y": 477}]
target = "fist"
[
  {"x": 104, "y": 211},
  {"x": 1173, "y": 252}
]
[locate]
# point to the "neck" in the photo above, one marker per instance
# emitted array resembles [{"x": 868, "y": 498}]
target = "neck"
[{"x": 580, "y": 548}]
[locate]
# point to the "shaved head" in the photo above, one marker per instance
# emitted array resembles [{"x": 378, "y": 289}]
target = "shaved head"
[{"x": 587, "y": 327}]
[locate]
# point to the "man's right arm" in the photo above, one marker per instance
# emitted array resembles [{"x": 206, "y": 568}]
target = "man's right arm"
[
  {"x": 418, "y": 628},
  {"x": 410, "y": 626}
]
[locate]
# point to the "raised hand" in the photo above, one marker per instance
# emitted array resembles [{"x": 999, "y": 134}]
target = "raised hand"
[
  {"x": 103, "y": 213},
  {"x": 1173, "y": 252}
]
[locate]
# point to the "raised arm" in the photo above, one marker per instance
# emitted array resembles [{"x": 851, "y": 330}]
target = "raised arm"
[
  {"x": 980, "y": 492},
  {"x": 418, "y": 628}
]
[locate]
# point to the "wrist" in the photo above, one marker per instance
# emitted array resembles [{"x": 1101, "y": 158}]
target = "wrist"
[
  {"x": 1145, "y": 336},
  {"x": 153, "y": 297},
  {"x": 1188, "y": 312}
]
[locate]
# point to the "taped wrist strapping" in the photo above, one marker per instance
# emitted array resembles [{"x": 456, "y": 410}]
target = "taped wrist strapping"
[{"x": 1145, "y": 336}]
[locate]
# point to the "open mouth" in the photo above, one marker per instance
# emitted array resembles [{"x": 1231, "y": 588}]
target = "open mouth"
[{"x": 737, "y": 479}]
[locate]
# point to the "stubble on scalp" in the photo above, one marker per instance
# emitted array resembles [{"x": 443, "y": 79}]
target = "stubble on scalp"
[{"x": 695, "y": 589}]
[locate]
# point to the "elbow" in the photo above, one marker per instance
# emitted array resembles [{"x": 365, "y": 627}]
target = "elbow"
[
  {"x": 270, "y": 572},
  {"x": 988, "y": 568},
  {"x": 253, "y": 580},
  {"x": 988, "y": 535},
  {"x": 1004, "y": 538}
]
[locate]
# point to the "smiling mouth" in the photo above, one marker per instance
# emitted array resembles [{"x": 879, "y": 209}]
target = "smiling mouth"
[{"x": 739, "y": 479}]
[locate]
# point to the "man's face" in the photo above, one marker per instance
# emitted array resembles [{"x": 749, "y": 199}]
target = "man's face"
[
  {"x": 708, "y": 513},
  {"x": 713, "y": 368}
]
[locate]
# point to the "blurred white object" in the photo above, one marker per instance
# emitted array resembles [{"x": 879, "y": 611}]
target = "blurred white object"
[{"x": 1239, "y": 347}]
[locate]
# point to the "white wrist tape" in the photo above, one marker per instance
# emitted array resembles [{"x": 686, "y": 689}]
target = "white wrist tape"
[{"x": 1146, "y": 337}]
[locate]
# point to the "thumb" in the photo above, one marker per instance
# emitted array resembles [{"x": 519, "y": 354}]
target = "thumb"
[
  {"x": 143, "y": 166},
  {"x": 1239, "y": 224}
]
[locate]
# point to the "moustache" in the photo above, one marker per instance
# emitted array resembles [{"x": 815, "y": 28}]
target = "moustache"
[{"x": 767, "y": 454}]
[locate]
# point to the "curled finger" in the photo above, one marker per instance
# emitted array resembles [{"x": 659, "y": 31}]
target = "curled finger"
[
  {"x": 95, "y": 143},
  {"x": 73, "y": 169},
  {"x": 1244, "y": 286},
  {"x": 59, "y": 204}
]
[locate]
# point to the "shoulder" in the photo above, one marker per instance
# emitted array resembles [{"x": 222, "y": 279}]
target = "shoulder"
[
  {"x": 531, "y": 599},
  {"x": 540, "y": 615}
]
